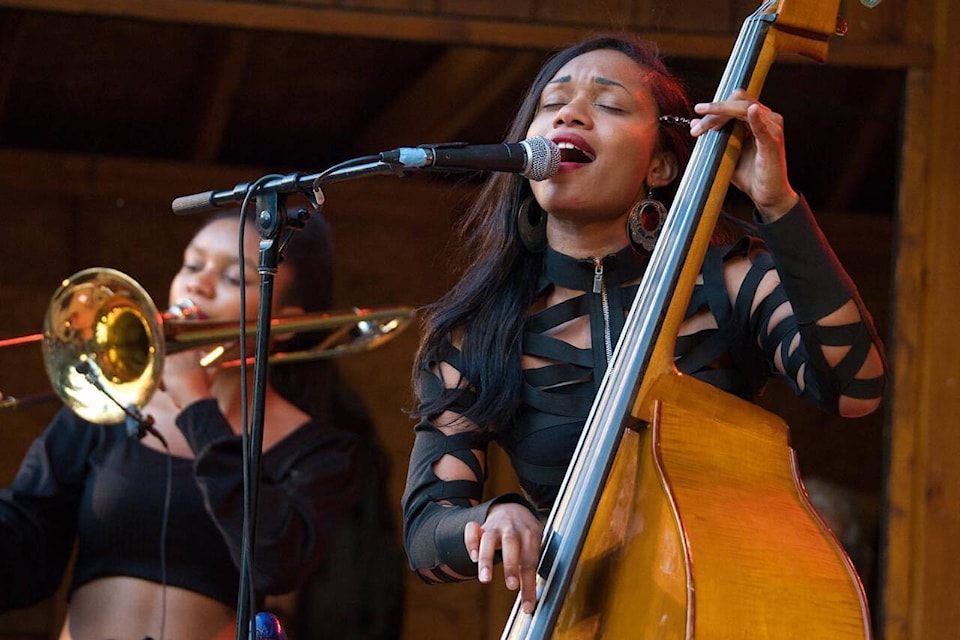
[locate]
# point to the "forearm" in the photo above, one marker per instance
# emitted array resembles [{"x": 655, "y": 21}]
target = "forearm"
[
  {"x": 38, "y": 512},
  {"x": 306, "y": 489},
  {"x": 434, "y": 541},
  {"x": 31, "y": 565},
  {"x": 815, "y": 280},
  {"x": 436, "y": 510},
  {"x": 840, "y": 344}
]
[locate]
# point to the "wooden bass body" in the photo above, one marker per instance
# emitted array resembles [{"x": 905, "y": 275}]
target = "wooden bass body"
[{"x": 705, "y": 532}]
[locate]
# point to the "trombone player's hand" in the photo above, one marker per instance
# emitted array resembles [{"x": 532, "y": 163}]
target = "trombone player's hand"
[{"x": 185, "y": 380}]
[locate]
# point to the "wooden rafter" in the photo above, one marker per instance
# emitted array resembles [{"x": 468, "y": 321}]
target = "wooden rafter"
[
  {"x": 425, "y": 109},
  {"x": 224, "y": 77},
  {"x": 445, "y": 27}
]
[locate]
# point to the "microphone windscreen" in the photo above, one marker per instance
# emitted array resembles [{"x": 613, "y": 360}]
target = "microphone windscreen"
[{"x": 544, "y": 158}]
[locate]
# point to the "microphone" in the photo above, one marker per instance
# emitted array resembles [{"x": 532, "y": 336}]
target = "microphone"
[{"x": 535, "y": 158}]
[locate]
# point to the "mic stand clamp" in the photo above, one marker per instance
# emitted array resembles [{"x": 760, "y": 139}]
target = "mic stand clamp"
[{"x": 136, "y": 423}]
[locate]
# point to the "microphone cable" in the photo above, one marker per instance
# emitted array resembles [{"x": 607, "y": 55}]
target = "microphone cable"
[
  {"x": 138, "y": 426},
  {"x": 164, "y": 526}
]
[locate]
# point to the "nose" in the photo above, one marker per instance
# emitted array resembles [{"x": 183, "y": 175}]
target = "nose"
[
  {"x": 200, "y": 284},
  {"x": 572, "y": 114}
]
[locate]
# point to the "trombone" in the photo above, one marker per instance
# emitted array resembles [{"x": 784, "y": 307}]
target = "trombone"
[{"x": 104, "y": 341}]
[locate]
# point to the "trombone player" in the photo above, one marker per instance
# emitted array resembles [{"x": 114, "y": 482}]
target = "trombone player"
[{"x": 157, "y": 560}]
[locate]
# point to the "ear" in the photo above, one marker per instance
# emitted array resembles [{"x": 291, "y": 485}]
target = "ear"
[
  {"x": 283, "y": 312},
  {"x": 289, "y": 310},
  {"x": 663, "y": 169}
]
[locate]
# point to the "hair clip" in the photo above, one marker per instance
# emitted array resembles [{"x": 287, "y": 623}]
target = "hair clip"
[{"x": 675, "y": 120}]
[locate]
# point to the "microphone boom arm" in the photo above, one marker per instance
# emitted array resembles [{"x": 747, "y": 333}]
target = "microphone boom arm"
[
  {"x": 290, "y": 183},
  {"x": 536, "y": 158}
]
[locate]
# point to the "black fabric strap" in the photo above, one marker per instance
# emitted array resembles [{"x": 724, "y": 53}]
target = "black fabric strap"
[
  {"x": 816, "y": 282},
  {"x": 556, "y": 376},
  {"x": 557, "y": 314},
  {"x": 545, "y": 346},
  {"x": 760, "y": 321},
  {"x": 865, "y": 389}
]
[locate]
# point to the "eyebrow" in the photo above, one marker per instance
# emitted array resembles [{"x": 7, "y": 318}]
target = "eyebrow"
[
  {"x": 248, "y": 263},
  {"x": 605, "y": 81},
  {"x": 597, "y": 80}
]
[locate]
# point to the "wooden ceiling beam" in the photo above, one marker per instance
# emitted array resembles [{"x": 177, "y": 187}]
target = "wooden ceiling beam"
[
  {"x": 12, "y": 37},
  {"x": 224, "y": 77},
  {"x": 425, "y": 109},
  {"x": 534, "y": 34}
]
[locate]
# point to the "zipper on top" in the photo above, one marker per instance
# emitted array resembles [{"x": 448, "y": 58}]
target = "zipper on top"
[{"x": 600, "y": 286}]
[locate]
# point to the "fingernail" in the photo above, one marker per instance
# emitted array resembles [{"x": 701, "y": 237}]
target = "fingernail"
[
  {"x": 484, "y": 575},
  {"x": 512, "y": 583},
  {"x": 473, "y": 556}
]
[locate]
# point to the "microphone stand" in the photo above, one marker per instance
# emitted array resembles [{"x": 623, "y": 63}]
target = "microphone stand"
[{"x": 271, "y": 221}]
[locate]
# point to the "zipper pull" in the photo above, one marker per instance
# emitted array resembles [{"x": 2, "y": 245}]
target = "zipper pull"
[{"x": 597, "y": 275}]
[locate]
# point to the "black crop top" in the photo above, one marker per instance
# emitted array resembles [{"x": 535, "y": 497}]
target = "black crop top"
[
  {"x": 95, "y": 484},
  {"x": 120, "y": 521}
]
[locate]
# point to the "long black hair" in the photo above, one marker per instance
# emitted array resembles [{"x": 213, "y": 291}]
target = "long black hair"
[{"x": 486, "y": 310}]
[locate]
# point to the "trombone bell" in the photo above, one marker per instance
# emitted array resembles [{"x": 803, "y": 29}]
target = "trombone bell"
[{"x": 102, "y": 323}]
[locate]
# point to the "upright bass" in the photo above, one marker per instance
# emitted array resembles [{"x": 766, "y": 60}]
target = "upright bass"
[{"x": 682, "y": 514}]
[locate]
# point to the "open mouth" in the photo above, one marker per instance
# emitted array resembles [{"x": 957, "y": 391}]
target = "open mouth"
[{"x": 570, "y": 152}]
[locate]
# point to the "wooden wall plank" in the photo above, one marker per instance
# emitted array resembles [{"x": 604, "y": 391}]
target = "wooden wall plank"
[
  {"x": 936, "y": 615},
  {"x": 697, "y": 16},
  {"x": 904, "y": 507},
  {"x": 921, "y": 577},
  {"x": 487, "y": 8}
]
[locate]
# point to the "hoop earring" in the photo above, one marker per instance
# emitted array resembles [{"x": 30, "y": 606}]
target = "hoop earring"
[
  {"x": 532, "y": 225},
  {"x": 645, "y": 222}
]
